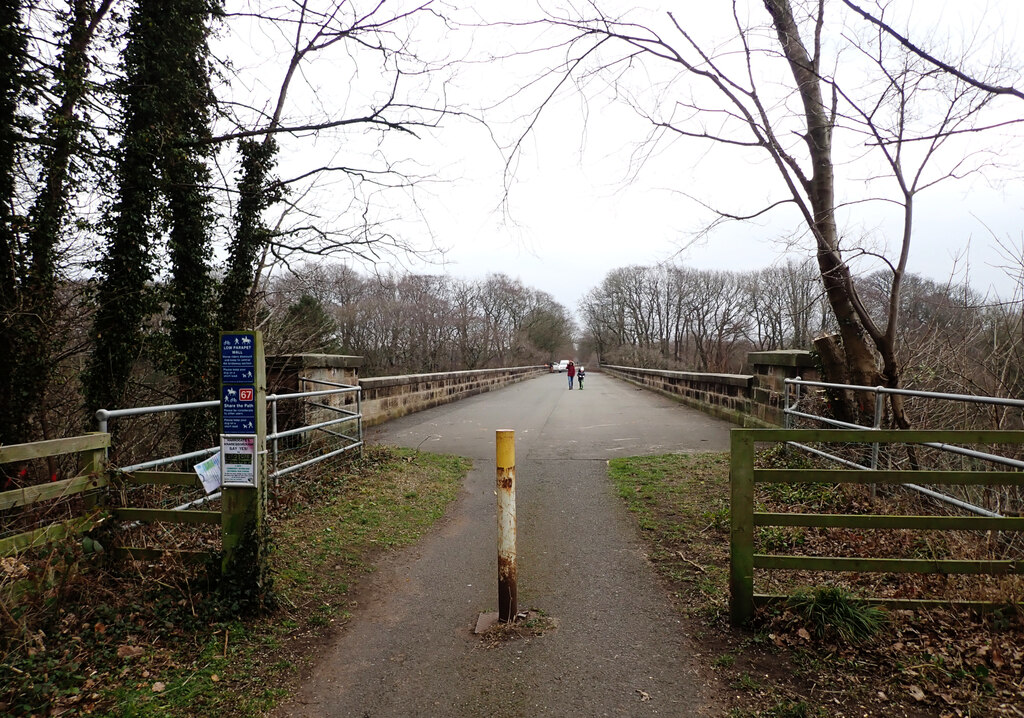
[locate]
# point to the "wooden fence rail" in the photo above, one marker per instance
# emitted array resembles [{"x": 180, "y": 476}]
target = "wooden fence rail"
[
  {"x": 91, "y": 477},
  {"x": 744, "y": 519}
]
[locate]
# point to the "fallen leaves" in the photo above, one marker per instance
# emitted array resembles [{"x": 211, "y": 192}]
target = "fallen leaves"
[{"x": 129, "y": 651}]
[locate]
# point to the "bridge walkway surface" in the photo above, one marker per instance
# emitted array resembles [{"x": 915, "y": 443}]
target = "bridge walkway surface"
[{"x": 618, "y": 648}]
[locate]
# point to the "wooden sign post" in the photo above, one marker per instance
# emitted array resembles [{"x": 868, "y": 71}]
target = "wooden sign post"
[{"x": 243, "y": 425}]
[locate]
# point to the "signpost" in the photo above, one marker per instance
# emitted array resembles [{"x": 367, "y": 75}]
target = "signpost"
[{"x": 243, "y": 441}]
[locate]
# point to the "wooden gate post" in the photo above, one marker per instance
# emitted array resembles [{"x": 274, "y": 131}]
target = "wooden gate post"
[
  {"x": 93, "y": 463},
  {"x": 244, "y": 488},
  {"x": 741, "y": 539}
]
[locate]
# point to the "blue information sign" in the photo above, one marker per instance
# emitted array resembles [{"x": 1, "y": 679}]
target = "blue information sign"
[
  {"x": 237, "y": 359},
  {"x": 238, "y": 404}
]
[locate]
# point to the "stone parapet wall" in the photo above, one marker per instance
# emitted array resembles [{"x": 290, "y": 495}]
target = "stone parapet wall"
[
  {"x": 770, "y": 370},
  {"x": 296, "y": 373},
  {"x": 389, "y": 397},
  {"x": 726, "y": 396},
  {"x": 754, "y": 399}
]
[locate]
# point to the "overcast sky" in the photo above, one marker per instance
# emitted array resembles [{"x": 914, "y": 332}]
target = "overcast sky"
[{"x": 577, "y": 207}]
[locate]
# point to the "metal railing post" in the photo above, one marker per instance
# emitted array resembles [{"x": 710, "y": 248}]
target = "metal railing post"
[
  {"x": 787, "y": 421},
  {"x": 102, "y": 416},
  {"x": 273, "y": 432},
  {"x": 505, "y": 445},
  {"x": 359, "y": 421}
]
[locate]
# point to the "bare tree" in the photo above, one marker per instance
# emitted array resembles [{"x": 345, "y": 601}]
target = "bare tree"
[
  {"x": 412, "y": 323},
  {"x": 363, "y": 40},
  {"x": 899, "y": 120}
]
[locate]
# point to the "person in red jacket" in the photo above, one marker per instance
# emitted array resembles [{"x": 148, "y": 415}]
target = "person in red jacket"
[{"x": 571, "y": 371}]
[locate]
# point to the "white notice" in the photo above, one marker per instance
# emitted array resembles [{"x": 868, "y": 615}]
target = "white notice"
[
  {"x": 239, "y": 460},
  {"x": 209, "y": 473}
]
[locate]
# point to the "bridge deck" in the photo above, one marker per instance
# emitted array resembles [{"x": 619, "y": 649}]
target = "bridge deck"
[{"x": 618, "y": 648}]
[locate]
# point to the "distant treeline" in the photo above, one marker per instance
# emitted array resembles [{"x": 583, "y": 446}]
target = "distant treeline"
[
  {"x": 950, "y": 338},
  {"x": 410, "y": 323}
]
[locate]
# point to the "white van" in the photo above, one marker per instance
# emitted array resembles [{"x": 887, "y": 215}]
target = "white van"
[{"x": 562, "y": 366}]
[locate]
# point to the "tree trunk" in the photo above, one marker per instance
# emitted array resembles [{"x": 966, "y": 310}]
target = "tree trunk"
[
  {"x": 820, "y": 187},
  {"x": 12, "y": 68}
]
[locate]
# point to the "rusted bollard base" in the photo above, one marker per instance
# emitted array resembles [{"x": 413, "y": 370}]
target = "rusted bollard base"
[{"x": 486, "y": 621}]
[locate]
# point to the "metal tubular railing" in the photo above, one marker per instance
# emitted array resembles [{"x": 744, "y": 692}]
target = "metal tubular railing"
[
  {"x": 276, "y": 434},
  {"x": 789, "y": 410},
  {"x": 170, "y": 460},
  {"x": 314, "y": 460},
  {"x": 104, "y": 416},
  {"x": 310, "y": 427}
]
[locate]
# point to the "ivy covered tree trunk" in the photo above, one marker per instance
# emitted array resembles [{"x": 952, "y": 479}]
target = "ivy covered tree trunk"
[
  {"x": 190, "y": 295},
  {"x": 256, "y": 192},
  {"x": 124, "y": 297},
  {"x": 33, "y": 359},
  {"x": 12, "y": 63},
  {"x": 167, "y": 101},
  {"x": 187, "y": 101}
]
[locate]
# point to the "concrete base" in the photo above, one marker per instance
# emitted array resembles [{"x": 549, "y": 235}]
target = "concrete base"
[{"x": 485, "y": 621}]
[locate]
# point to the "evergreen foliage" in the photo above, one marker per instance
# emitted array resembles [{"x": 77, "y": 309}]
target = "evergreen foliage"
[
  {"x": 32, "y": 361},
  {"x": 256, "y": 192},
  {"x": 12, "y": 62},
  {"x": 162, "y": 186},
  {"x": 832, "y": 611}
]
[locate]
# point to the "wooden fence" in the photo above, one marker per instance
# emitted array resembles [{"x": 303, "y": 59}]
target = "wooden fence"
[
  {"x": 744, "y": 519},
  {"x": 95, "y": 482},
  {"x": 91, "y": 477}
]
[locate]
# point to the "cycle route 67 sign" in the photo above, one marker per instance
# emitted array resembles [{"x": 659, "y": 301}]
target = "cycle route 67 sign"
[{"x": 238, "y": 404}]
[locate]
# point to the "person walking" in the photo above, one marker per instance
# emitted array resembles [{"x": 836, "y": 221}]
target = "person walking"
[
  {"x": 571, "y": 371},
  {"x": 580, "y": 373}
]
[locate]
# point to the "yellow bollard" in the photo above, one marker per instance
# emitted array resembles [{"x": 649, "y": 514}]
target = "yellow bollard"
[{"x": 505, "y": 441}]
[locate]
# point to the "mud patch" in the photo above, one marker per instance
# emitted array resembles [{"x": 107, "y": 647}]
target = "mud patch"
[{"x": 528, "y": 624}]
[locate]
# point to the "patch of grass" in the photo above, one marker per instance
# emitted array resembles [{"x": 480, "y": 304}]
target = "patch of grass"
[
  {"x": 810, "y": 496},
  {"x": 794, "y": 709},
  {"x": 780, "y": 539},
  {"x": 726, "y": 660},
  {"x": 746, "y": 683},
  {"x": 718, "y": 517},
  {"x": 680, "y": 502},
  {"x": 153, "y": 640},
  {"x": 831, "y": 611}
]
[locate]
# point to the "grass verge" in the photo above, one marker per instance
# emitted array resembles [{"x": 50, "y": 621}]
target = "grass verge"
[
  {"x": 797, "y": 661},
  {"x": 80, "y": 636}
]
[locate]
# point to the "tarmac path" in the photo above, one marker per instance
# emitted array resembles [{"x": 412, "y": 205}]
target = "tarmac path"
[{"x": 618, "y": 649}]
